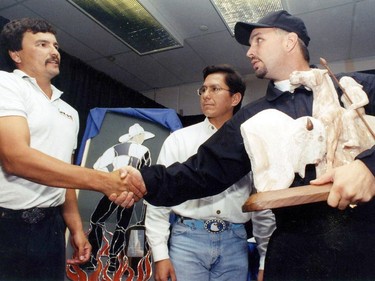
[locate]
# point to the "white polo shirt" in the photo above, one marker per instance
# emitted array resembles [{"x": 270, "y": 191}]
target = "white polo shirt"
[{"x": 53, "y": 128}]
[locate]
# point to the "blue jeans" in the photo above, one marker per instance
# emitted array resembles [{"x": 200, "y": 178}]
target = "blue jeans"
[{"x": 199, "y": 255}]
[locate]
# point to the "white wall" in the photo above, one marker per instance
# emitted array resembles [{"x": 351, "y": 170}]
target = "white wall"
[
  {"x": 183, "y": 98},
  {"x": 185, "y": 101}
]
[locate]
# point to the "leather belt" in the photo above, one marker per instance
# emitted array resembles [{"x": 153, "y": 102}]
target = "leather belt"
[
  {"x": 214, "y": 225},
  {"x": 30, "y": 216}
]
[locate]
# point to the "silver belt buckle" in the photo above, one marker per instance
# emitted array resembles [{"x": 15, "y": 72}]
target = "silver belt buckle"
[
  {"x": 215, "y": 225},
  {"x": 32, "y": 216}
]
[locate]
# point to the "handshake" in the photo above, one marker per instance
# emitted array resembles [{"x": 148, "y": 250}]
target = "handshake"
[{"x": 130, "y": 189}]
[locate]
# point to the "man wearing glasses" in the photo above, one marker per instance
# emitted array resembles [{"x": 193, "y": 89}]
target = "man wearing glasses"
[{"x": 208, "y": 238}]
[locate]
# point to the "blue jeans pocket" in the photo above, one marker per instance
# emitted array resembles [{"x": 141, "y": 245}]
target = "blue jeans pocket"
[
  {"x": 240, "y": 232},
  {"x": 179, "y": 228}
]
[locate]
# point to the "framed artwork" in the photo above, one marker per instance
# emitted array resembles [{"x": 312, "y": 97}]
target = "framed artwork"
[{"x": 114, "y": 138}]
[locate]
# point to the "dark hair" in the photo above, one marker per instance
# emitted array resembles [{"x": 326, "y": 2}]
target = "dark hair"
[
  {"x": 232, "y": 78},
  {"x": 13, "y": 31}
]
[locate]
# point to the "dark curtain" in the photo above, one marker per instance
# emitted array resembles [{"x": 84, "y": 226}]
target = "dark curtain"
[{"x": 5, "y": 62}]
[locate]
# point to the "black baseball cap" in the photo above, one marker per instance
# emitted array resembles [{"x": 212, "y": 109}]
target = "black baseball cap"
[{"x": 280, "y": 19}]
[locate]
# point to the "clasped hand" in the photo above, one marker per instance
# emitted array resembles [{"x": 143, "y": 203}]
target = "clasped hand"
[{"x": 134, "y": 185}]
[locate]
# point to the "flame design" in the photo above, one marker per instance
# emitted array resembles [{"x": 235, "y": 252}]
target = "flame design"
[
  {"x": 122, "y": 269},
  {"x": 75, "y": 273},
  {"x": 105, "y": 274},
  {"x": 144, "y": 268},
  {"x": 96, "y": 274}
]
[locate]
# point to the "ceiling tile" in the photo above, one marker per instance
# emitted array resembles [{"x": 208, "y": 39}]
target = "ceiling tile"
[
  {"x": 363, "y": 43},
  {"x": 219, "y": 48},
  {"x": 184, "y": 62},
  {"x": 187, "y": 16},
  {"x": 79, "y": 26},
  {"x": 302, "y": 7},
  {"x": 119, "y": 73},
  {"x": 6, "y": 3},
  {"x": 330, "y": 38},
  {"x": 148, "y": 69}
]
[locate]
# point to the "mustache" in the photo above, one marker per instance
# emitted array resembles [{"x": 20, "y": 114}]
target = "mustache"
[{"x": 55, "y": 59}]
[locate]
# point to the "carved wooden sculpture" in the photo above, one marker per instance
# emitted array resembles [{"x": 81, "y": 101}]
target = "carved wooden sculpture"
[
  {"x": 348, "y": 131},
  {"x": 275, "y": 160}
]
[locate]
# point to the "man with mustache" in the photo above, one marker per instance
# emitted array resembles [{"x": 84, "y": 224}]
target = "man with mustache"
[{"x": 38, "y": 136}]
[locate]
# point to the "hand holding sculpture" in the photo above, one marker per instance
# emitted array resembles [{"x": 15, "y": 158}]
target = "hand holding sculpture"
[{"x": 352, "y": 183}]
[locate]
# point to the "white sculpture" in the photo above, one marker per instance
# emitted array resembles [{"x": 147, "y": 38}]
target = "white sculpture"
[
  {"x": 347, "y": 136},
  {"x": 358, "y": 98},
  {"x": 326, "y": 108},
  {"x": 279, "y": 146},
  {"x": 354, "y": 101}
]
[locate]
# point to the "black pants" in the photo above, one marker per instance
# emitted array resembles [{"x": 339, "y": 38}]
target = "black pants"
[
  {"x": 317, "y": 242},
  {"x": 32, "y": 245}
]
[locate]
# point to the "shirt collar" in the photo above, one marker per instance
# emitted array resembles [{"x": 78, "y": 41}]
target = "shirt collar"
[
  {"x": 56, "y": 93},
  {"x": 283, "y": 85},
  {"x": 273, "y": 92},
  {"x": 208, "y": 125}
]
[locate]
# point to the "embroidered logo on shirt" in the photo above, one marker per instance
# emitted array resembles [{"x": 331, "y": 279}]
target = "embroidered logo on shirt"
[{"x": 66, "y": 114}]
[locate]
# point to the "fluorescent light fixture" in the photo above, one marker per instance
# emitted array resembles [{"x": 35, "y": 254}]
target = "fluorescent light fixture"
[
  {"x": 131, "y": 23},
  {"x": 232, "y": 11}
]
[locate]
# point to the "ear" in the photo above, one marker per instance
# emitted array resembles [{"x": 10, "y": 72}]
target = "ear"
[
  {"x": 15, "y": 56},
  {"x": 292, "y": 39},
  {"x": 236, "y": 98}
]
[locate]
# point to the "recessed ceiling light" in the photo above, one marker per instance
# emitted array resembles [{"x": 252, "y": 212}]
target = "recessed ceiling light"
[
  {"x": 131, "y": 23},
  {"x": 232, "y": 11}
]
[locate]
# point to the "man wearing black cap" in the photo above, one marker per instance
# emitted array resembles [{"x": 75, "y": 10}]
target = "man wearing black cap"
[
  {"x": 317, "y": 241},
  {"x": 281, "y": 19}
]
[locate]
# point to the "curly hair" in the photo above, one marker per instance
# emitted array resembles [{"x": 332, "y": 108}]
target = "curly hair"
[{"x": 13, "y": 31}]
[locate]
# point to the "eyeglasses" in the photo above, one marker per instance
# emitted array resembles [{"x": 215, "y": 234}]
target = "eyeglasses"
[{"x": 211, "y": 89}]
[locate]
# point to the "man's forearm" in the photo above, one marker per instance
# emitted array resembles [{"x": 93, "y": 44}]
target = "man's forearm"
[
  {"x": 38, "y": 167},
  {"x": 70, "y": 212}
]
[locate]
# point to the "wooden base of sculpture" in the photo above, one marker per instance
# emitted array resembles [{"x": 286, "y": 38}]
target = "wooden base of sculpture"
[{"x": 286, "y": 197}]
